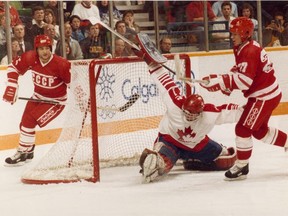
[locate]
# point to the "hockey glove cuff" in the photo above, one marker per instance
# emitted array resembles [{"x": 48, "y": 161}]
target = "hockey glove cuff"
[
  {"x": 11, "y": 92},
  {"x": 218, "y": 82}
]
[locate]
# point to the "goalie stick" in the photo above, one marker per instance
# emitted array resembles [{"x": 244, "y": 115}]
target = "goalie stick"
[
  {"x": 94, "y": 20},
  {"x": 179, "y": 76},
  {"x": 123, "y": 108}
]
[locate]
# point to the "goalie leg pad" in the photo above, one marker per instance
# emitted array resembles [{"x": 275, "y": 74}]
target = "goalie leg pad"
[
  {"x": 152, "y": 166},
  {"x": 148, "y": 51},
  {"x": 225, "y": 162}
]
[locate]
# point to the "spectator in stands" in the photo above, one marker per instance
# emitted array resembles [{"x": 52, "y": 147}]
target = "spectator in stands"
[
  {"x": 50, "y": 18},
  {"x": 176, "y": 10},
  {"x": 195, "y": 12},
  {"x": 274, "y": 32},
  {"x": 84, "y": 10},
  {"x": 15, "y": 51},
  {"x": 216, "y": 7},
  {"x": 223, "y": 36},
  {"x": 50, "y": 31},
  {"x": 95, "y": 45},
  {"x": 3, "y": 49},
  {"x": 120, "y": 27},
  {"x": 19, "y": 34},
  {"x": 77, "y": 32},
  {"x": 53, "y": 5},
  {"x": 68, "y": 51},
  {"x": 76, "y": 52},
  {"x": 103, "y": 7},
  {"x": 2, "y": 29},
  {"x": 14, "y": 15},
  {"x": 119, "y": 49},
  {"x": 165, "y": 45},
  {"x": 36, "y": 27},
  {"x": 131, "y": 26},
  {"x": 248, "y": 11}
]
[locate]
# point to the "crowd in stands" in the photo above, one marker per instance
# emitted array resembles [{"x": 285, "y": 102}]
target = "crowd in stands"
[{"x": 84, "y": 40}]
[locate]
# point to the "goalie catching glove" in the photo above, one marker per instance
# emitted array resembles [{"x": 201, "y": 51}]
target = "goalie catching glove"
[
  {"x": 148, "y": 51},
  {"x": 218, "y": 82},
  {"x": 11, "y": 92}
]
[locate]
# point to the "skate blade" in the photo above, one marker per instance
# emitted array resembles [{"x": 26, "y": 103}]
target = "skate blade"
[
  {"x": 14, "y": 165},
  {"x": 242, "y": 177}
]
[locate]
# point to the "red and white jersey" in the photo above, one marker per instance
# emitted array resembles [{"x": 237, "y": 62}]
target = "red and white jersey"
[
  {"x": 189, "y": 135},
  {"x": 50, "y": 79},
  {"x": 253, "y": 72}
]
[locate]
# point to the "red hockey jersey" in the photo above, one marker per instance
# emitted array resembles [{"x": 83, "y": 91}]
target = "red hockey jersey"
[
  {"x": 254, "y": 73},
  {"x": 50, "y": 79}
]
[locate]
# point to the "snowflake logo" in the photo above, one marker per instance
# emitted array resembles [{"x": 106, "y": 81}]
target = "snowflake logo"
[{"x": 105, "y": 81}]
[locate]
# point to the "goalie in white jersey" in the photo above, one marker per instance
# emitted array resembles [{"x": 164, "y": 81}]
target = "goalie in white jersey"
[{"x": 184, "y": 127}]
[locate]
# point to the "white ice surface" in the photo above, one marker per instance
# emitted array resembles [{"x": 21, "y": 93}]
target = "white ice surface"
[{"x": 120, "y": 192}]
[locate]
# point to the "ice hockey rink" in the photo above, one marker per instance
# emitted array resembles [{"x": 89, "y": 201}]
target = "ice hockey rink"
[{"x": 121, "y": 193}]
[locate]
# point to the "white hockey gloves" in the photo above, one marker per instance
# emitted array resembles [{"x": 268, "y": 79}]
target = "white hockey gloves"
[
  {"x": 218, "y": 82},
  {"x": 11, "y": 92},
  {"x": 152, "y": 166}
]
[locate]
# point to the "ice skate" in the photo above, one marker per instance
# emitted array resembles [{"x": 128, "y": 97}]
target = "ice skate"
[
  {"x": 237, "y": 173},
  {"x": 18, "y": 159},
  {"x": 30, "y": 155}
]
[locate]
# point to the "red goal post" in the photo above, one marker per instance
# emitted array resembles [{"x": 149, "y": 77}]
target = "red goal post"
[{"x": 95, "y": 135}]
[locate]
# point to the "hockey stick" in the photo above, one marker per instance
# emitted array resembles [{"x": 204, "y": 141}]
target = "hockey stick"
[
  {"x": 123, "y": 108},
  {"x": 126, "y": 106},
  {"x": 94, "y": 21},
  {"x": 179, "y": 76},
  {"x": 42, "y": 101}
]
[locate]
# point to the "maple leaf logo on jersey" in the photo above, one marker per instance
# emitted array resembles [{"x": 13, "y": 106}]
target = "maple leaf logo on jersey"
[{"x": 187, "y": 133}]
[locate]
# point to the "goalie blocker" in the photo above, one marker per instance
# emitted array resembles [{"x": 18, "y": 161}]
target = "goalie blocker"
[
  {"x": 223, "y": 162},
  {"x": 148, "y": 51}
]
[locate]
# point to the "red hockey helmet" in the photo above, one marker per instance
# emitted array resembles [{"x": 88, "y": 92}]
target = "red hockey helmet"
[
  {"x": 242, "y": 26},
  {"x": 42, "y": 40},
  {"x": 193, "y": 106}
]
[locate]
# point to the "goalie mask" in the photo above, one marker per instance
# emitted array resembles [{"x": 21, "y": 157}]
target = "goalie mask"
[{"x": 193, "y": 107}]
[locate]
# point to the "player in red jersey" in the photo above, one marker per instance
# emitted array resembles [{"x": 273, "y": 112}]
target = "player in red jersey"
[
  {"x": 253, "y": 74},
  {"x": 51, "y": 76},
  {"x": 184, "y": 127}
]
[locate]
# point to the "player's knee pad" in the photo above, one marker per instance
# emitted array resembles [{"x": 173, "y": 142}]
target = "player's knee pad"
[{"x": 168, "y": 152}]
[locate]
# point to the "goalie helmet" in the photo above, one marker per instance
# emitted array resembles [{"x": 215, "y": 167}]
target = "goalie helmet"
[
  {"x": 42, "y": 40},
  {"x": 242, "y": 26},
  {"x": 193, "y": 107}
]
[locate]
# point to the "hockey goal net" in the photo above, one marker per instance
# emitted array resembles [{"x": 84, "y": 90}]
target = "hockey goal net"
[{"x": 97, "y": 135}]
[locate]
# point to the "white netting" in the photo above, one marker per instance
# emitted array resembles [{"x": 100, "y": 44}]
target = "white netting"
[{"x": 122, "y": 136}]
